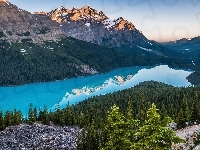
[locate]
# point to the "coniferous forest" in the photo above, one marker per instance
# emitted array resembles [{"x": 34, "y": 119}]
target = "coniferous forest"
[
  {"x": 125, "y": 118},
  {"x": 50, "y": 61}
]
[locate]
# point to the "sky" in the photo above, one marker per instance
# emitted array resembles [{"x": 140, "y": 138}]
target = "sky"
[{"x": 159, "y": 20}]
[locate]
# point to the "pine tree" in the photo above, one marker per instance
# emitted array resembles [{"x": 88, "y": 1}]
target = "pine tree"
[
  {"x": 142, "y": 108},
  {"x": 181, "y": 119},
  {"x": 118, "y": 136},
  {"x": 81, "y": 119},
  {"x": 1, "y": 121},
  {"x": 44, "y": 116},
  {"x": 8, "y": 118},
  {"x": 163, "y": 111},
  {"x": 92, "y": 137},
  {"x": 155, "y": 133},
  {"x": 32, "y": 114},
  {"x": 56, "y": 117},
  {"x": 183, "y": 114},
  {"x": 186, "y": 111},
  {"x": 130, "y": 112},
  {"x": 17, "y": 117},
  {"x": 69, "y": 115},
  {"x": 195, "y": 115},
  {"x": 35, "y": 113}
]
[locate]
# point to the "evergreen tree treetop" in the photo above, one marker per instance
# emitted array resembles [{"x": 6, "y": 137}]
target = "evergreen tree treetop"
[{"x": 155, "y": 134}]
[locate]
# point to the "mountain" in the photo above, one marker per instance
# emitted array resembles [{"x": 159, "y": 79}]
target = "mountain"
[
  {"x": 184, "y": 44},
  {"x": 190, "y": 47},
  {"x": 28, "y": 62},
  {"x": 17, "y": 24},
  {"x": 94, "y": 26},
  {"x": 34, "y": 48}
]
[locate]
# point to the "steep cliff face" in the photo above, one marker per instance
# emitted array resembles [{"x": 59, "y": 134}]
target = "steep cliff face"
[{"x": 17, "y": 24}]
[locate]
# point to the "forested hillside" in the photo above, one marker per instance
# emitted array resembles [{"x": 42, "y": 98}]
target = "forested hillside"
[
  {"x": 28, "y": 62},
  {"x": 181, "y": 104}
]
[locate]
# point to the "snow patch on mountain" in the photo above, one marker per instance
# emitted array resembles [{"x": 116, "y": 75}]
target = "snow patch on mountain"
[
  {"x": 149, "y": 50},
  {"x": 108, "y": 23},
  {"x": 87, "y": 24}
]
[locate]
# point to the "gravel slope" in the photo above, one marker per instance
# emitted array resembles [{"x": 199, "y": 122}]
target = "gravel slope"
[{"x": 38, "y": 136}]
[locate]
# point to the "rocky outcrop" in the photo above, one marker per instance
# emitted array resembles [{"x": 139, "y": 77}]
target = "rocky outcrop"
[
  {"x": 17, "y": 24},
  {"x": 38, "y": 136},
  {"x": 41, "y": 13},
  {"x": 87, "y": 13},
  {"x": 124, "y": 24},
  {"x": 189, "y": 134},
  {"x": 63, "y": 15}
]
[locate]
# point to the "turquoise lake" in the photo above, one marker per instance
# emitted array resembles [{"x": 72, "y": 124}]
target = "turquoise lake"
[{"x": 77, "y": 89}]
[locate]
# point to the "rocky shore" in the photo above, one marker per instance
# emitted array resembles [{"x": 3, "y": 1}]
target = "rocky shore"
[{"x": 38, "y": 136}]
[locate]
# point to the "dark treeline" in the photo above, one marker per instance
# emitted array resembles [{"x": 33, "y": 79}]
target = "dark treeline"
[
  {"x": 27, "y": 62},
  {"x": 194, "y": 77}
]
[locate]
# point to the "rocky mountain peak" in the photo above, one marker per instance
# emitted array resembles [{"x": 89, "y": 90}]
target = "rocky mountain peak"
[
  {"x": 75, "y": 14},
  {"x": 74, "y": 10},
  {"x": 86, "y": 15},
  {"x": 121, "y": 23},
  {"x": 94, "y": 26},
  {"x": 5, "y": 1}
]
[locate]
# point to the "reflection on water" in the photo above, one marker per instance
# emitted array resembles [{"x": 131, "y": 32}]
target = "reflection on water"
[{"x": 78, "y": 89}]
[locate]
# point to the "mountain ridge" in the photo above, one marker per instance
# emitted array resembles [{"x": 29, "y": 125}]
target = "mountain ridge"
[
  {"x": 184, "y": 43},
  {"x": 94, "y": 26}
]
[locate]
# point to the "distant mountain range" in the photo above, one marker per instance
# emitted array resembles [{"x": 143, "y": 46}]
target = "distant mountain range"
[
  {"x": 85, "y": 24},
  {"x": 184, "y": 44},
  {"x": 94, "y": 26},
  {"x": 190, "y": 47}
]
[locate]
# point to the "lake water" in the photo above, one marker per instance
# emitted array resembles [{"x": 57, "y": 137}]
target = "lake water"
[{"x": 77, "y": 89}]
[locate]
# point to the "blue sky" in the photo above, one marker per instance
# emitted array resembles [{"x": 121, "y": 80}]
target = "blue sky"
[{"x": 160, "y": 20}]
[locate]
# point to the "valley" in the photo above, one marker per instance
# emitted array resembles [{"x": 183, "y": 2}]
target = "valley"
[{"x": 81, "y": 80}]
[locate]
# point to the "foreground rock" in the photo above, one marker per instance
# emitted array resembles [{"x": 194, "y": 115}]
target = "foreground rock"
[
  {"x": 189, "y": 134},
  {"x": 38, "y": 136}
]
